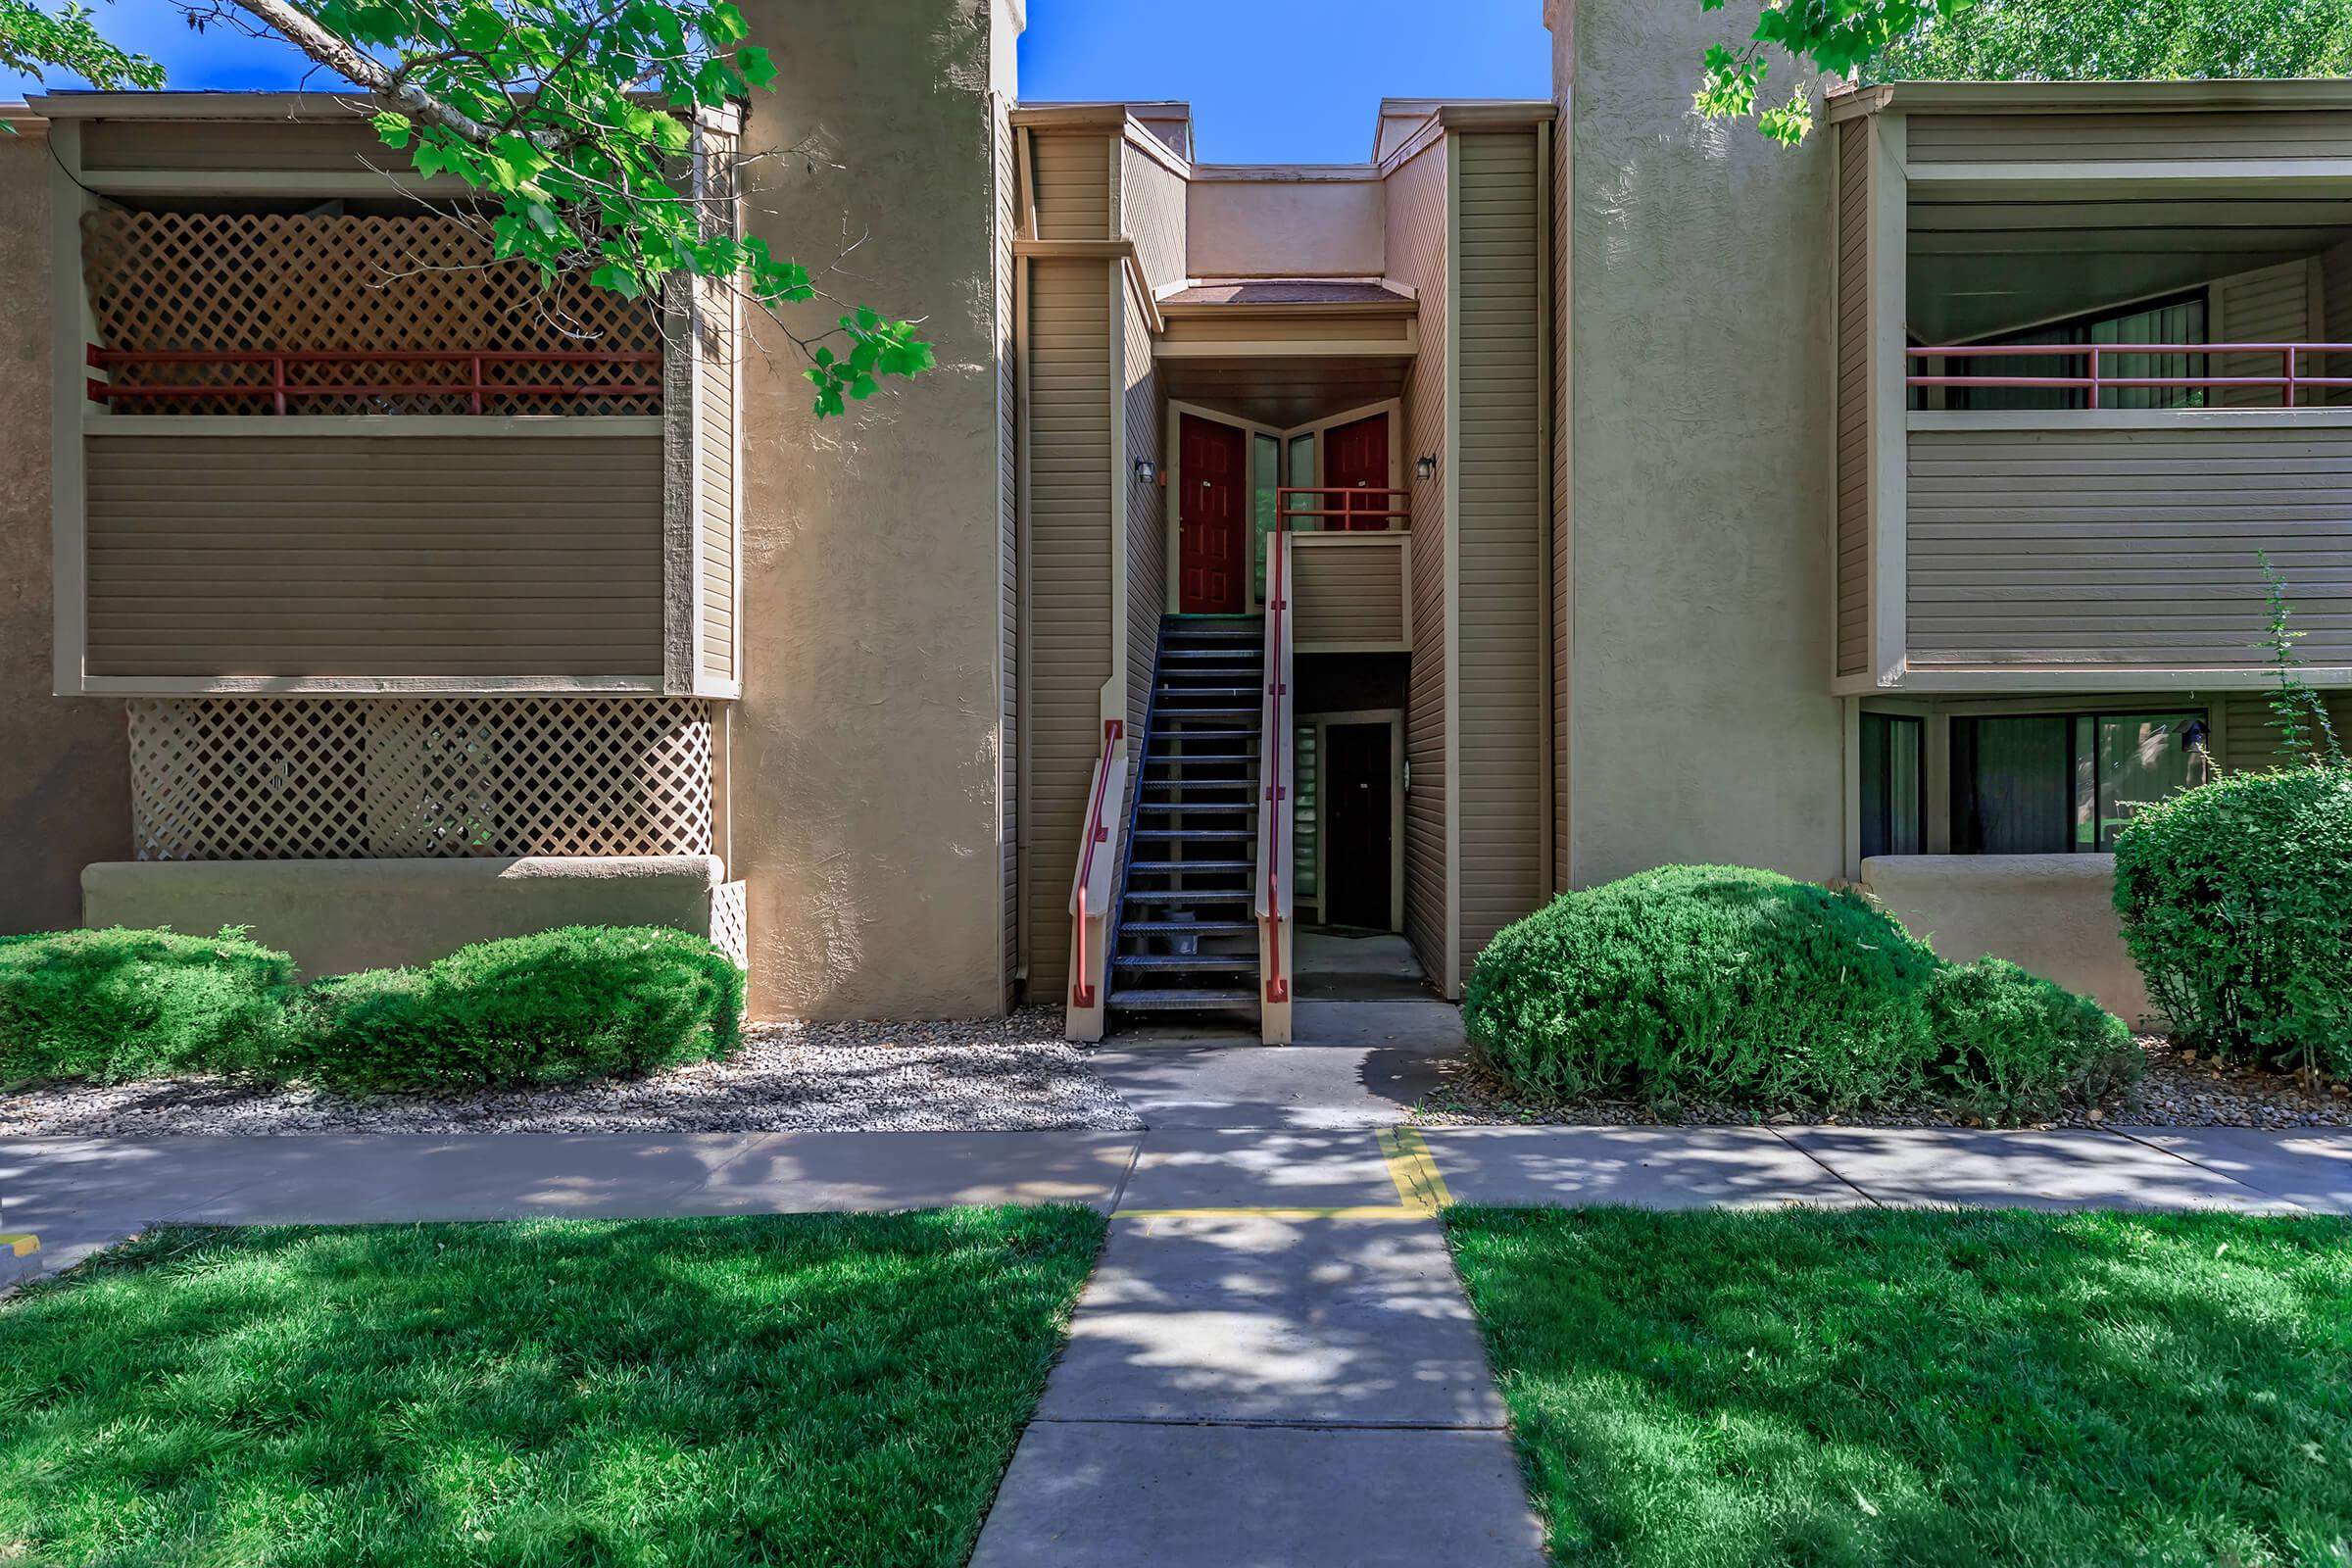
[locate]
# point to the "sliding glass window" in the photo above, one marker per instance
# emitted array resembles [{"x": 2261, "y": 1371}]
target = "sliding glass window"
[{"x": 2050, "y": 783}]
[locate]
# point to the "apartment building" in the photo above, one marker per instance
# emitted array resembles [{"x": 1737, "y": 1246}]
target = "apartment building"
[{"x": 1572, "y": 486}]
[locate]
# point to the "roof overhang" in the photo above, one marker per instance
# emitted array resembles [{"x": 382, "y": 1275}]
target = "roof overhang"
[{"x": 2089, "y": 97}]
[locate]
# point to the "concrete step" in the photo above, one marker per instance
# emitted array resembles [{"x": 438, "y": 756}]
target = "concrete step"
[{"x": 1145, "y": 1000}]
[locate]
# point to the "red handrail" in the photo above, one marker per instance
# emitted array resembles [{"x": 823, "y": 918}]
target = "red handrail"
[
  {"x": 1393, "y": 509},
  {"x": 476, "y": 387},
  {"x": 2096, "y": 380},
  {"x": 1098, "y": 831},
  {"x": 1271, "y": 817}
]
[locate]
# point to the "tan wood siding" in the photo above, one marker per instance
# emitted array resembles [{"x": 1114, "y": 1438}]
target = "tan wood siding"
[
  {"x": 2270, "y": 306},
  {"x": 1498, "y": 475},
  {"x": 2190, "y": 138},
  {"x": 1417, "y": 254},
  {"x": 1069, "y": 579},
  {"x": 714, "y": 505},
  {"x": 2125, "y": 546},
  {"x": 452, "y": 556},
  {"x": 1336, "y": 328},
  {"x": 1009, "y": 580},
  {"x": 1153, "y": 213},
  {"x": 301, "y": 146},
  {"x": 2249, "y": 742},
  {"x": 1147, "y": 534},
  {"x": 1349, "y": 594},
  {"x": 1070, "y": 175},
  {"x": 1853, "y": 398}
]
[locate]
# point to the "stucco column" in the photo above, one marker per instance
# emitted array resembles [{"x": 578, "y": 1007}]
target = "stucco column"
[
  {"x": 867, "y": 792},
  {"x": 1700, "y": 722},
  {"x": 65, "y": 763}
]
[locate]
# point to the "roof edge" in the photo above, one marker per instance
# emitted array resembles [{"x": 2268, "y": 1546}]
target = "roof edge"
[{"x": 2092, "y": 97}]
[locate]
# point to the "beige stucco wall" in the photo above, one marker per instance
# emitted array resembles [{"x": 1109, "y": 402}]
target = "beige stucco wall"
[
  {"x": 64, "y": 788},
  {"x": 335, "y": 916},
  {"x": 1285, "y": 228},
  {"x": 869, "y": 791},
  {"x": 2052, "y": 913},
  {"x": 1701, "y": 726}
]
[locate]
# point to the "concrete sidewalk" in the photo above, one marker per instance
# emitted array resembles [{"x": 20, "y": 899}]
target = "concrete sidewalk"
[{"x": 79, "y": 1193}]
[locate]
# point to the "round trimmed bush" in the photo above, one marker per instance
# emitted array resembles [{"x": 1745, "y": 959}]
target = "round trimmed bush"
[
  {"x": 107, "y": 1005},
  {"x": 1714, "y": 982},
  {"x": 2236, "y": 900},
  {"x": 2011, "y": 1045},
  {"x": 583, "y": 1001}
]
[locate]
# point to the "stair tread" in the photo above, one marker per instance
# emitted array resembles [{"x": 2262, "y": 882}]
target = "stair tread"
[
  {"x": 1144, "y": 999},
  {"x": 1197, "y": 756},
  {"x": 1183, "y": 835},
  {"x": 1205, "y": 928},
  {"x": 1193, "y": 865},
  {"x": 1172, "y": 960}
]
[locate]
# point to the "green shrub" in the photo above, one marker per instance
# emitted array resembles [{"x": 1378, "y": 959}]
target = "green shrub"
[
  {"x": 1707, "y": 981},
  {"x": 119, "y": 1003},
  {"x": 2013, "y": 1046},
  {"x": 2236, "y": 900},
  {"x": 583, "y": 1002}
]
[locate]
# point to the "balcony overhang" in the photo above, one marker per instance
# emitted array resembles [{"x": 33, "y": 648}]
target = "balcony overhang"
[{"x": 1287, "y": 352}]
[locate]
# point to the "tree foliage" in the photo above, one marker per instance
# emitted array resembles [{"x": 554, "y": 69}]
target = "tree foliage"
[
  {"x": 2017, "y": 40},
  {"x": 575, "y": 123}
]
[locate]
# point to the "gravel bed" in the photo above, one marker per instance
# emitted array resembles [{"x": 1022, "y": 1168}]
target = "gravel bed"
[
  {"x": 988, "y": 1075},
  {"x": 2175, "y": 1090}
]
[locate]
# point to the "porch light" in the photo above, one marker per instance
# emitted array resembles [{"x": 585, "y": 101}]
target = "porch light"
[
  {"x": 1425, "y": 467},
  {"x": 1146, "y": 471}
]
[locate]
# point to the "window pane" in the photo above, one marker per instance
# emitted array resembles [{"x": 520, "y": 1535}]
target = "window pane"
[
  {"x": 1302, "y": 476},
  {"x": 1893, "y": 805},
  {"x": 2142, "y": 757},
  {"x": 2012, "y": 784}
]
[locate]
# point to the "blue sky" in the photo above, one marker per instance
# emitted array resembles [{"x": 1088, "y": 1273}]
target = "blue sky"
[{"x": 1269, "y": 80}]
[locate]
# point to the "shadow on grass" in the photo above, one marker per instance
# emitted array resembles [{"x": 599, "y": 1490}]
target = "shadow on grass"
[
  {"x": 1873, "y": 1387},
  {"x": 800, "y": 1388}
]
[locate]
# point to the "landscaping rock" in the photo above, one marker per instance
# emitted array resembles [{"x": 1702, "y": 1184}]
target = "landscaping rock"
[{"x": 988, "y": 1076}]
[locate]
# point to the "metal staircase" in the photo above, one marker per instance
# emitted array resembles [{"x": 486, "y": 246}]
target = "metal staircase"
[{"x": 1186, "y": 937}]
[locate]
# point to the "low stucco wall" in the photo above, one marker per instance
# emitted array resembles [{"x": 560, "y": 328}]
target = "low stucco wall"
[
  {"x": 335, "y": 916},
  {"x": 2052, "y": 913}
]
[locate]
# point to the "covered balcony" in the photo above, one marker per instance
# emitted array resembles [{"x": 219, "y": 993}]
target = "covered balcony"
[
  {"x": 2093, "y": 370},
  {"x": 319, "y": 440}
]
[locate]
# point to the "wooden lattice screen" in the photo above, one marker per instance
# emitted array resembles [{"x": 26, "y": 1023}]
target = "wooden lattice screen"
[
  {"x": 296, "y": 778},
  {"x": 226, "y": 281}
]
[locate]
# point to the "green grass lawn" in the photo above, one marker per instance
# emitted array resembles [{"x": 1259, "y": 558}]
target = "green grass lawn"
[
  {"x": 806, "y": 1390},
  {"x": 1705, "y": 1390}
]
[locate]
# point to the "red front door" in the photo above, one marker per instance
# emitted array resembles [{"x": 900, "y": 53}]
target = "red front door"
[
  {"x": 1213, "y": 549},
  {"x": 1355, "y": 457}
]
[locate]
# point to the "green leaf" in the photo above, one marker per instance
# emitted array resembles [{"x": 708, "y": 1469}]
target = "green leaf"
[
  {"x": 756, "y": 67},
  {"x": 393, "y": 130}
]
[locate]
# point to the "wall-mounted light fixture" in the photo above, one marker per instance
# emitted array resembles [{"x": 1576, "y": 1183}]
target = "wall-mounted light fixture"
[
  {"x": 1146, "y": 471},
  {"x": 1425, "y": 467}
]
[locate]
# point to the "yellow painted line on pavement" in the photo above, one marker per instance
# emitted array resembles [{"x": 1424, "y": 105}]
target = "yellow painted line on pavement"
[
  {"x": 23, "y": 1244},
  {"x": 1414, "y": 1169}
]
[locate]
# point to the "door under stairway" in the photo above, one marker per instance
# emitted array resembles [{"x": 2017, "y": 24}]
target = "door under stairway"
[{"x": 1188, "y": 936}]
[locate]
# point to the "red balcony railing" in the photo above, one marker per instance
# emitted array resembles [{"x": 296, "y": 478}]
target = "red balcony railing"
[
  {"x": 1343, "y": 509},
  {"x": 481, "y": 380},
  {"x": 2296, "y": 363}
]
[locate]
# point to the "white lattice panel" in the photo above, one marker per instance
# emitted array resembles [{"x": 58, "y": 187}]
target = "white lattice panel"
[
  {"x": 243, "y": 778},
  {"x": 730, "y": 923}
]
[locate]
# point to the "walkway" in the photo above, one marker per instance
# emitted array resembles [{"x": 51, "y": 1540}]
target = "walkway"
[{"x": 1272, "y": 1362}]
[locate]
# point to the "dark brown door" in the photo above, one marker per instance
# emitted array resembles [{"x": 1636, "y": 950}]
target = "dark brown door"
[
  {"x": 1213, "y": 553},
  {"x": 1355, "y": 457},
  {"x": 1356, "y": 849}
]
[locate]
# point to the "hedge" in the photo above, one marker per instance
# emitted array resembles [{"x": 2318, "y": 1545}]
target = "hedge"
[
  {"x": 107, "y": 1005},
  {"x": 583, "y": 1002},
  {"x": 2236, "y": 903},
  {"x": 555, "y": 1008},
  {"x": 1744, "y": 987}
]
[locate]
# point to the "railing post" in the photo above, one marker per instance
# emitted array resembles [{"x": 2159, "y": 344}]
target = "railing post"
[
  {"x": 474, "y": 361},
  {"x": 277, "y": 384},
  {"x": 2095, "y": 390},
  {"x": 2289, "y": 391}
]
